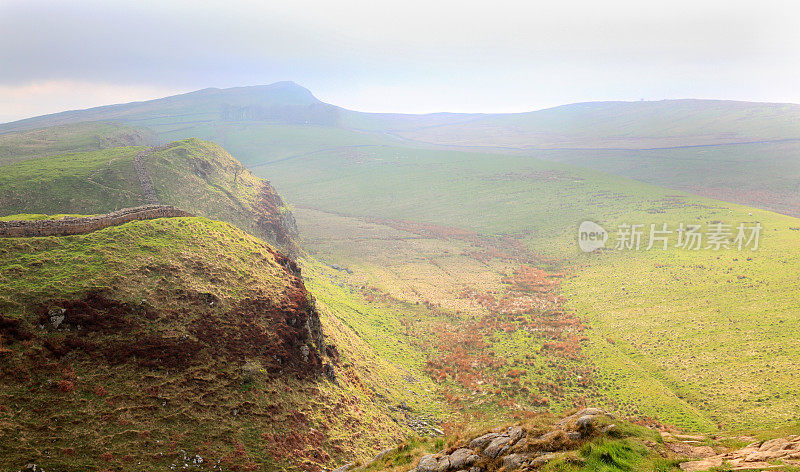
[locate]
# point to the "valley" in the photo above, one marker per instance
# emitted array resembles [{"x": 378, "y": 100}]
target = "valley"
[{"x": 400, "y": 283}]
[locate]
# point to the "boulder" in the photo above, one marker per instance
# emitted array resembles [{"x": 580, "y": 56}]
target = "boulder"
[
  {"x": 462, "y": 458},
  {"x": 429, "y": 463},
  {"x": 542, "y": 460},
  {"x": 774, "y": 444},
  {"x": 497, "y": 446},
  {"x": 515, "y": 433},
  {"x": 482, "y": 441},
  {"x": 514, "y": 461},
  {"x": 584, "y": 412},
  {"x": 585, "y": 421}
]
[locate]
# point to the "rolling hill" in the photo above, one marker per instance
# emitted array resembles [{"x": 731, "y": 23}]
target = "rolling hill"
[
  {"x": 184, "y": 342},
  {"x": 698, "y": 146},
  {"x": 441, "y": 253},
  {"x": 196, "y": 176}
]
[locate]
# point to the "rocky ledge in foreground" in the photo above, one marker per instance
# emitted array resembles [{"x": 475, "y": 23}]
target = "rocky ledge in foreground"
[
  {"x": 516, "y": 448},
  {"x": 754, "y": 456}
]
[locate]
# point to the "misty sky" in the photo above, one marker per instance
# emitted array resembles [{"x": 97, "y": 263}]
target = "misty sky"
[{"x": 405, "y": 56}]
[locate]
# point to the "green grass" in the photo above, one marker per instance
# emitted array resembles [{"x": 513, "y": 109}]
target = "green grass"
[
  {"x": 196, "y": 176},
  {"x": 79, "y": 137},
  {"x": 620, "y": 455},
  {"x": 86, "y": 182},
  {"x": 116, "y": 415},
  {"x": 701, "y": 340}
]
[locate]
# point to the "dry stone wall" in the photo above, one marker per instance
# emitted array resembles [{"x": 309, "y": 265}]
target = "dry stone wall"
[
  {"x": 145, "y": 181},
  {"x": 86, "y": 224}
]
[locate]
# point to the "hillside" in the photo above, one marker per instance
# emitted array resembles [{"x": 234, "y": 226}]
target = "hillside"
[
  {"x": 448, "y": 279},
  {"x": 87, "y": 136},
  {"x": 138, "y": 343},
  {"x": 177, "y": 342},
  {"x": 168, "y": 341},
  {"x": 517, "y": 315},
  {"x": 196, "y": 176}
]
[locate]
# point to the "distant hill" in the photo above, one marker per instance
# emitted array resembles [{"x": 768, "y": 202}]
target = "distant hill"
[
  {"x": 700, "y": 146},
  {"x": 85, "y": 136}
]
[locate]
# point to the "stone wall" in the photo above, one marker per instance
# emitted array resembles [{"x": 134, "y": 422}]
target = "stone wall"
[
  {"x": 145, "y": 181},
  {"x": 86, "y": 224}
]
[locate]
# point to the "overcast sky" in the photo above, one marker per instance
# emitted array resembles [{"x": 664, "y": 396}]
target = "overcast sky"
[{"x": 405, "y": 56}]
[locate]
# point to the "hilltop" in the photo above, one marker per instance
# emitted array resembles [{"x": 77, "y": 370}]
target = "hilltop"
[
  {"x": 146, "y": 339},
  {"x": 197, "y": 176}
]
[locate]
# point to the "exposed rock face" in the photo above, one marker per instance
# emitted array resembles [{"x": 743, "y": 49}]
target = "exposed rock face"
[
  {"x": 755, "y": 456},
  {"x": 272, "y": 219},
  {"x": 515, "y": 448}
]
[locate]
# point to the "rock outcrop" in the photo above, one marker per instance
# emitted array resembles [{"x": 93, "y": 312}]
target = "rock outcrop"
[
  {"x": 516, "y": 448},
  {"x": 754, "y": 456}
]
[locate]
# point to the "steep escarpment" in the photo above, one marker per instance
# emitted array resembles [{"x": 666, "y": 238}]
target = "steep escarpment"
[{"x": 135, "y": 345}]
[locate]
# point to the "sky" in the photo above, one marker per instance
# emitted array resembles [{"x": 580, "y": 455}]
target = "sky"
[{"x": 398, "y": 56}]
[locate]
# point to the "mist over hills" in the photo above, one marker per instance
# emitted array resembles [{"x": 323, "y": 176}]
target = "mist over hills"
[
  {"x": 592, "y": 124},
  {"x": 744, "y": 152}
]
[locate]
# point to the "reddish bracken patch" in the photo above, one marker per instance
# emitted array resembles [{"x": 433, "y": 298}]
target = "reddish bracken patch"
[{"x": 65, "y": 386}]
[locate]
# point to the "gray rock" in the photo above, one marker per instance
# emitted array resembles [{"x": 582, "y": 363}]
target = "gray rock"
[
  {"x": 515, "y": 433},
  {"x": 542, "y": 460},
  {"x": 514, "y": 461},
  {"x": 57, "y": 316},
  {"x": 584, "y": 412},
  {"x": 444, "y": 464},
  {"x": 585, "y": 423},
  {"x": 482, "y": 441},
  {"x": 462, "y": 458},
  {"x": 497, "y": 446},
  {"x": 428, "y": 463}
]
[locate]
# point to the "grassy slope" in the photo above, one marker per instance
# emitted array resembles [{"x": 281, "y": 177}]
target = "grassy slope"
[
  {"x": 679, "y": 333},
  {"x": 84, "y": 182},
  {"x": 764, "y": 175},
  {"x": 193, "y": 175},
  {"x": 623, "y": 125},
  {"x": 15, "y": 147},
  {"x": 67, "y": 413}
]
